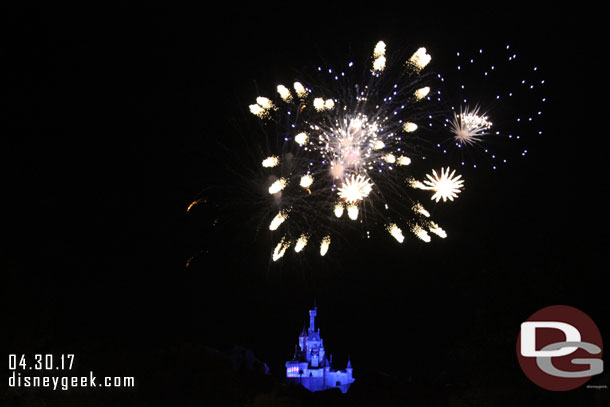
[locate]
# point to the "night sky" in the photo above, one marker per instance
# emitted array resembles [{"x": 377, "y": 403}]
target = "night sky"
[{"x": 114, "y": 122}]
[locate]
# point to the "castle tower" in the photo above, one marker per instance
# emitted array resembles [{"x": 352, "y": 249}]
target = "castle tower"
[
  {"x": 349, "y": 369},
  {"x": 310, "y": 366},
  {"x": 303, "y": 339},
  {"x": 312, "y": 319}
]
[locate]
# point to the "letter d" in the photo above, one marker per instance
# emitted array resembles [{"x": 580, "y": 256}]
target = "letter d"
[
  {"x": 528, "y": 338},
  {"x": 11, "y": 380}
]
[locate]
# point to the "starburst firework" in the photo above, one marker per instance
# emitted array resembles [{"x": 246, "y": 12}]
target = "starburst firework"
[
  {"x": 348, "y": 146},
  {"x": 513, "y": 99},
  {"x": 445, "y": 185},
  {"x": 468, "y": 126},
  {"x": 355, "y": 189}
]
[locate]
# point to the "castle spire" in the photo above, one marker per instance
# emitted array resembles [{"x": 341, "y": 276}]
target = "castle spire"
[{"x": 312, "y": 319}]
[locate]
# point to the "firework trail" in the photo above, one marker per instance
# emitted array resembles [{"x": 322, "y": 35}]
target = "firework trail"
[{"x": 349, "y": 150}]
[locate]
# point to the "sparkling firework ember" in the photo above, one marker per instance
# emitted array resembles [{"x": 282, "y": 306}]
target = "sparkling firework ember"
[{"x": 348, "y": 146}]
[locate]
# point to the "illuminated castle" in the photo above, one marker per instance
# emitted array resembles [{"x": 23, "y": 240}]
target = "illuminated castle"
[{"x": 310, "y": 367}]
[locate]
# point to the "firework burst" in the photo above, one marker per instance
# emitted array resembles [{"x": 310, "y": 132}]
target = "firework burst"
[
  {"x": 489, "y": 126},
  {"x": 468, "y": 126},
  {"x": 352, "y": 143},
  {"x": 445, "y": 186}
]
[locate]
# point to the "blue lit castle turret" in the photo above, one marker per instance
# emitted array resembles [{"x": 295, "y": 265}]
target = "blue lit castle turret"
[{"x": 310, "y": 366}]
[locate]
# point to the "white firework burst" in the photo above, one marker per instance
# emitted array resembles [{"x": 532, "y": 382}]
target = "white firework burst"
[
  {"x": 344, "y": 141},
  {"x": 513, "y": 99},
  {"x": 345, "y": 131},
  {"x": 352, "y": 133},
  {"x": 445, "y": 185},
  {"x": 469, "y": 126},
  {"x": 355, "y": 189}
]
